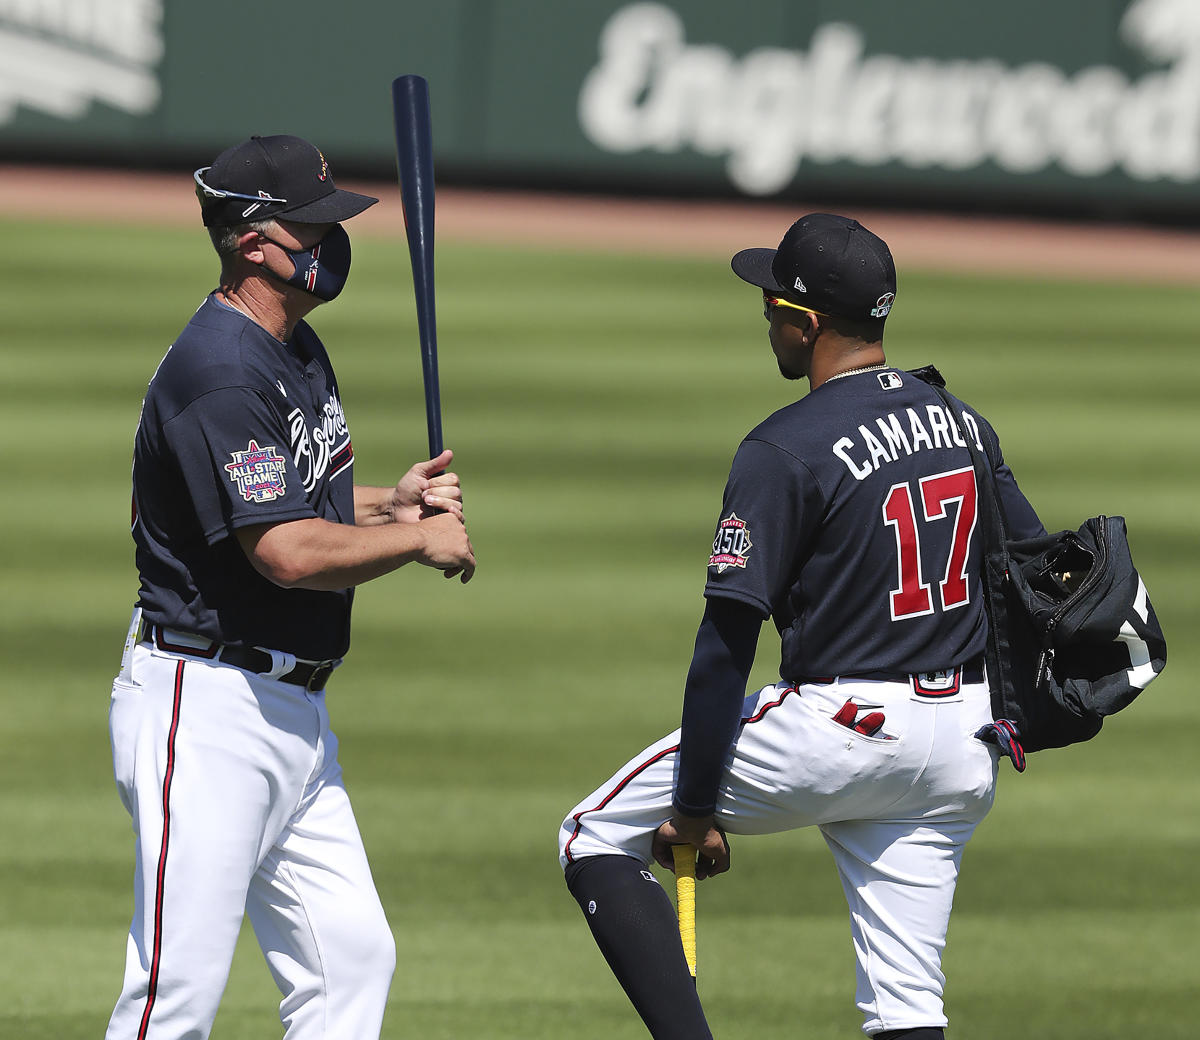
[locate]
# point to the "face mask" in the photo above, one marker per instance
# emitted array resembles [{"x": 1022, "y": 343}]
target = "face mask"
[{"x": 321, "y": 269}]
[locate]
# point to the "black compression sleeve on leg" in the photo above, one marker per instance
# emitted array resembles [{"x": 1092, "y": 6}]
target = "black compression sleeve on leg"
[{"x": 634, "y": 924}]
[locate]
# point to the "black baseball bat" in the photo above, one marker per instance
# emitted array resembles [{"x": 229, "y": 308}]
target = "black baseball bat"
[{"x": 414, "y": 165}]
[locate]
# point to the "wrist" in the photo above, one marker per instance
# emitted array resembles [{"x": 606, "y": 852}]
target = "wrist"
[
  {"x": 372, "y": 505},
  {"x": 691, "y": 821},
  {"x": 686, "y": 810},
  {"x": 423, "y": 551},
  {"x": 694, "y": 830}
]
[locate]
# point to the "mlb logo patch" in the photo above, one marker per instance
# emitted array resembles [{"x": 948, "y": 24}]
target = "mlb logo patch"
[
  {"x": 258, "y": 472},
  {"x": 731, "y": 546},
  {"x": 890, "y": 380}
]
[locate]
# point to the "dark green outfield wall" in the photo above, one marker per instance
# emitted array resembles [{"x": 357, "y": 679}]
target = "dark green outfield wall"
[{"x": 1078, "y": 105}]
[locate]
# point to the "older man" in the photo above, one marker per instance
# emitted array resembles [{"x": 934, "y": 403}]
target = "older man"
[{"x": 250, "y": 537}]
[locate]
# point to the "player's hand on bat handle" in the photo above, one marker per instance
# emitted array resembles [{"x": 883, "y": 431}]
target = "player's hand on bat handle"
[
  {"x": 446, "y": 546},
  {"x": 427, "y": 489},
  {"x": 703, "y": 834}
]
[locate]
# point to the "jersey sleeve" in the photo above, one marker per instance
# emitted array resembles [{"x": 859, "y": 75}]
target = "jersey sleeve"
[
  {"x": 771, "y": 505},
  {"x": 1020, "y": 517},
  {"x": 712, "y": 702},
  {"x": 232, "y": 449},
  {"x": 1022, "y": 520}
]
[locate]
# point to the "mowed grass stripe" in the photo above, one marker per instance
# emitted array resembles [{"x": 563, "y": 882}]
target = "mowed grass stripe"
[{"x": 595, "y": 403}]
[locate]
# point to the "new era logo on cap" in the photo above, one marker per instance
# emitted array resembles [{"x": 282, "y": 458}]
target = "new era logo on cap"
[{"x": 841, "y": 268}]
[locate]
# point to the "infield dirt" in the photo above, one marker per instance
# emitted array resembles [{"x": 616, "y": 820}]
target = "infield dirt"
[{"x": 1121, "y": 253}]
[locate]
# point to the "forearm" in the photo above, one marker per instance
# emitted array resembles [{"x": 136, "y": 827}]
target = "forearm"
[
  {"x": 712, "y": 704},
  {"x": 372, "y": 505},
  {"x": 323, "y": 556}
]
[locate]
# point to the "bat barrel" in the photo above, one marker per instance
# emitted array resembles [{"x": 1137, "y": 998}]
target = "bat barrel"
[{"x": 414, "y": 164}]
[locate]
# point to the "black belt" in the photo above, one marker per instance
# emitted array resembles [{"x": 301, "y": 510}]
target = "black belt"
[
  {"x": 312, "y": 675},
  {"x": 971, "y": 672}
]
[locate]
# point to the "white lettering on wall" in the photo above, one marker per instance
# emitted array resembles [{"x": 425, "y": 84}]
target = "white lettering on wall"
[
  {"x": 57, "y": 57},
  {"x": 771, "y": 109}
]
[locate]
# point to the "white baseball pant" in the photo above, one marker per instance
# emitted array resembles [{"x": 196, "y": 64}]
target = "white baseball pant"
[
  {"x": 234, "y": 789},
  {"x": 895, "y": 809}
]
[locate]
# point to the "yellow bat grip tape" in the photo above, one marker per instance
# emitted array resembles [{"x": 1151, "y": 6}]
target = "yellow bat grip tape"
[{"x": 685, "y": 901}]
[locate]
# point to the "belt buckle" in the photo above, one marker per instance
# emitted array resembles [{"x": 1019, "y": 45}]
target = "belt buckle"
[{"x": 320, "y": 676}]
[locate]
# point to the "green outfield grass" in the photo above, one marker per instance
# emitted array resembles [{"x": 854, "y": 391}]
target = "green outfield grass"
[{"x": 595, "y": 403}]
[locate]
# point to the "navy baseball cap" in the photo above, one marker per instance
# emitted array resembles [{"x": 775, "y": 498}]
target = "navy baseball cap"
[
  {"x": 266, "y": 177},
  {"x": 827, "y": 263}
]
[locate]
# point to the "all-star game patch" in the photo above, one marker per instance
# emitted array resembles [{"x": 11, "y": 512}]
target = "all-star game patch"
[
  {"x": 731, "y": 546},
  {"x": 258, "y": 473}
]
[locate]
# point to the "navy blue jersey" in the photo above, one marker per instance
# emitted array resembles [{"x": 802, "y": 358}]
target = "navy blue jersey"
[
  {"x": 237, "y": 429},
  {"x": 850, "y": 517}
]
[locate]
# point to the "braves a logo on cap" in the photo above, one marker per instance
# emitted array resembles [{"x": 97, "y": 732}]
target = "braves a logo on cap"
[
  {"x": 258, "y": 473},
  {"x": 731, "y": 546},
  {"x": 883, "y": 305}
]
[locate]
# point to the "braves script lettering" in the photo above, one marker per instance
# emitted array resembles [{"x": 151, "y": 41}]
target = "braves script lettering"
[{"x": 313, "y": 450}]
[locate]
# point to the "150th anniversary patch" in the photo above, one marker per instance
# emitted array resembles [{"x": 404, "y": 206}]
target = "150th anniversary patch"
[
  {"x": 732, "y": 544},
  {"x": 258, "y": 473}
]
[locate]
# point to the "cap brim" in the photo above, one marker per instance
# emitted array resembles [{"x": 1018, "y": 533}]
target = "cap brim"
[
  {"x": 333, "y": 208},
  {"x": 754, "y": 266}
]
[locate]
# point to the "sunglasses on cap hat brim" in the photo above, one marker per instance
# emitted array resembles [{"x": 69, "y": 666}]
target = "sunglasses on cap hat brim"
[
  {"x": 332, "y": 208},
  {"x": 206, "y": 192}
]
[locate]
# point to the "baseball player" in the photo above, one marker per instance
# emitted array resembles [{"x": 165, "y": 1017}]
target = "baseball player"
[
  {"x": 849, "y": 520},
  {"x": 250, "y": 537}
]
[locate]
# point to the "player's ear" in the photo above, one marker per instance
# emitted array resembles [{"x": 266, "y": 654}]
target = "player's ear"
[{"x": 249, "y": 246}]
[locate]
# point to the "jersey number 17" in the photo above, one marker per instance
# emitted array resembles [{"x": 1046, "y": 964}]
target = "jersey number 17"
[{"x": 913, "y": 596}]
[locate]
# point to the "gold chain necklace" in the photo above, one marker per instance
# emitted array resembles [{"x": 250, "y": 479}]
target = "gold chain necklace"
[{"x": 856, "y": 371}]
